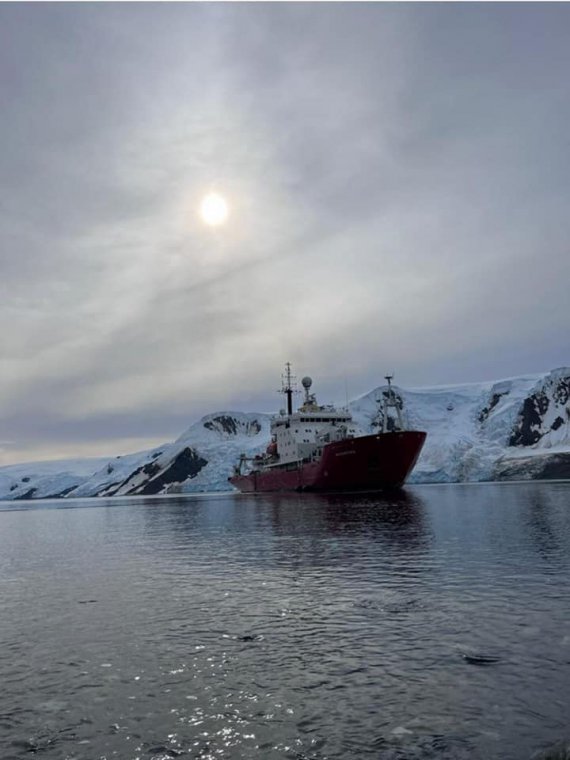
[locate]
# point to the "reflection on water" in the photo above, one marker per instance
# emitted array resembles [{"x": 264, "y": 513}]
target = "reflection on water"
[
  {"x": 335, "y": 513},
  {"x": 427, "y": 623},
  {"x": 544, "y": 526}
]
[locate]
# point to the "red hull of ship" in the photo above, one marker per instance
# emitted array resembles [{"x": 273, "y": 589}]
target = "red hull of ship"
[{"x": 368, "y": 463}]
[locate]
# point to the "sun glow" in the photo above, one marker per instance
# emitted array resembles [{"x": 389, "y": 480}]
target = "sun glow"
[{"x": 214, "y": 209}]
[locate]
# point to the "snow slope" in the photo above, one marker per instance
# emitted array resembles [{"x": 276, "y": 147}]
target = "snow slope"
[
  {"x": 475, "y": 430},
  {"x": 201, "y": 459},
  {"x": 513, "y": 428}
]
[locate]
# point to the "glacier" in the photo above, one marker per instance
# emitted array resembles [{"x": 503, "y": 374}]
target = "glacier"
[{"x": 511, "y": 429}]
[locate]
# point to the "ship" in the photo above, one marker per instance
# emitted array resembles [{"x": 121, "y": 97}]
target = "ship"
[{"x": 321, "y": 448}]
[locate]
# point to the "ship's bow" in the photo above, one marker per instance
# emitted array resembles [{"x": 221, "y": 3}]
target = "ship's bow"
[{"x": 370, "y": 462}]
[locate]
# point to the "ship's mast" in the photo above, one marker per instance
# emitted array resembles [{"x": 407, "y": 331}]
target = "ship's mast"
[
  {"x": 287, "y": 381},
  {"x": 391, "y": 401}
]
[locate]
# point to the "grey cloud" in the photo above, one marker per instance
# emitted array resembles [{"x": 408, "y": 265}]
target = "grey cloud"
[{"x": 399, "y": 177}]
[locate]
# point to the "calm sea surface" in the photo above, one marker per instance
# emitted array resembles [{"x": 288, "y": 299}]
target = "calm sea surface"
[{"x": 434, "y": 624}]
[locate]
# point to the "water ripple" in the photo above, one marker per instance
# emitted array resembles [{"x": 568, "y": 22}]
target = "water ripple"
[{"x": 432, "y": 624}]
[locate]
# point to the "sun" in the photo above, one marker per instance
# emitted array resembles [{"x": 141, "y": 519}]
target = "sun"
[{"x": 214, "y": 209}]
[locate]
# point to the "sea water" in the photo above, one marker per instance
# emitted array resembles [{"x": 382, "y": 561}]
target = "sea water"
[{"x": 431, "y": 623}]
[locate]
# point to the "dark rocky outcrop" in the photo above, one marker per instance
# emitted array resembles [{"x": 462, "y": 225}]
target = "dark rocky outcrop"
[
  {"x": 29, "y": 494},
  {"x": 530, "y": 426},
  {"x": 60, "y": 494},
  {"x": 540, "y": 467},
  {"x": 186, "y": 465},
  {"x": 227, "y": 424},
  {"x": 561, "y": 393},
  {"x": 526, "y": 431},
  {"x": 486, "y": 411}
]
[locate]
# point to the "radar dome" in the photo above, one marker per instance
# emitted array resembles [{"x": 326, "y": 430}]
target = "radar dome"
[{"x": 306, "y": 382}]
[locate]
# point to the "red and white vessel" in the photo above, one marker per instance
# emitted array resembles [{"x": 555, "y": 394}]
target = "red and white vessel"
[{"x": 320, "y": 448}]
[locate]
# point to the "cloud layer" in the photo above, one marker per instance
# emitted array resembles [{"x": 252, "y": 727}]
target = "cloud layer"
[{"x": 399, "y": 182}]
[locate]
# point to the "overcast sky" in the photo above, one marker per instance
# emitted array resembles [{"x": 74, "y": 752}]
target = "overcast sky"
[{"x": 399, "y": 184}]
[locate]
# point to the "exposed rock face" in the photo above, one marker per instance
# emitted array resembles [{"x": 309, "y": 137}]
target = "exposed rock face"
[
  {"x": 152, "y": 478},
  {"x": 184, "y": 467},
  {"x": 486, "y": 411},
  {"x": 228, "y": 425},
  {"x": 543, "y": 411},
  {"x": 544, "y": 467},
  {"x": 29, "y": 494},
  {"x": 528, "y": 428}
]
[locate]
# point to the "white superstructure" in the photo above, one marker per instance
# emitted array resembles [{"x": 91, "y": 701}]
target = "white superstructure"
[{"x": 302, "y": 434}]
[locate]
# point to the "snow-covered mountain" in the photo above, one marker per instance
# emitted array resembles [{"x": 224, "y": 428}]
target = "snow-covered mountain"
[{"x": 509, "y": 429}]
